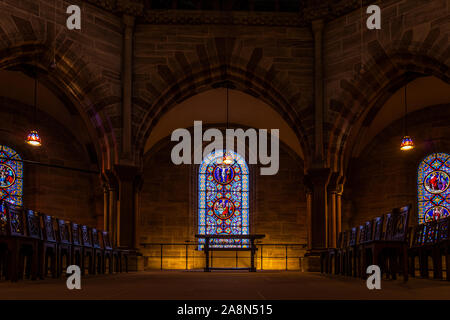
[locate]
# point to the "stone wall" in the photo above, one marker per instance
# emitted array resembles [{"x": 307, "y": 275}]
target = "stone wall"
[
  {"x": 88, "y": 61},
  {"x": 66, "y": 194},
  {"x": 384, "y": 177},
  {"x": 174, "y": 62},
  {"x": 413, "y": 38},
  {"x": 168, "y": 214}
]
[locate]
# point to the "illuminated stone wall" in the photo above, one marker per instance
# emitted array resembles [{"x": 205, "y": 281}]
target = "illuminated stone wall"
[
  {"x": 168, "y": 215},
  {"x": 393, "y": 173}
]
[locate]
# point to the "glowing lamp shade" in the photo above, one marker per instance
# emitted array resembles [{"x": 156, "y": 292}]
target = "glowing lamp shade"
[
  {"x": 34, "y": 139},
  {"x": 407, "y": 143},
  {"x": 227, "y": 159}
]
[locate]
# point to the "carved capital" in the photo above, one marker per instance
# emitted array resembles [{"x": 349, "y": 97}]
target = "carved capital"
[
  {"x": 231, "y": 18},
  {"x": 309, "y": 11},
  {"x": 131, "y": 7}
]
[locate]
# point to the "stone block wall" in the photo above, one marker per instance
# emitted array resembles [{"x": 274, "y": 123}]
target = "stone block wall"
[
  {"x": 383, "y": 167},
  {"x": 174, "y": 62},
  {"x": 65, "y": 194},
  {"x": 168, "y": 213},
  {"x": 88, "y": 61},
  {"x": 413, "y": 38}
]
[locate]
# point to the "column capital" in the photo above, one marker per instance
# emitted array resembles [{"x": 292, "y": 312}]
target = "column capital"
[
  {"x": 131, "y": 7},
  {"x": 126, "y": 173},
  {"x": 318, "y": 176},
  {"x": 128, "y": 21},
  {"x": 336, "y": 183},
  {"x": 317, "y": 25},
  {"x": 110, "y": 179}
]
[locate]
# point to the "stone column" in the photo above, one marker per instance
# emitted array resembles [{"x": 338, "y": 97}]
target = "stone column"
[
  {"x": 331, "y": 219},
  {"x": 126, "y": 214},
  {"x": 339, "y": 209},
  {"x": 332, "y": 209},
  {"x": 113, "y": 214},
  {"x": 138, "y": 184},
  {"x": 309, "y": 196},
  {"x": 112, "y": 186},
  {"x": 127, "y": 85},
  {"x": 129, "y": 180},
  {"x": 106, "y": 217},
  {"x": 318, "y": 180},
  {"x": 317, "y": 28}
]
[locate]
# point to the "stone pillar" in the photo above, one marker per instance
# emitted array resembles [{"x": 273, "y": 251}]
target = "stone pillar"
[
  {"x": 127, "y": 85},
  {"x": 339, "y": 209},
  {"x": 308, "y": 217},
  {"x": 138, "y": 184},
  {"x": 106, "y": 216},
  {"x": 129, "y": 180},
  {"x": 318, "y": 228},
  {"x": 317, "y": 28},
  {"x": 126, "y": 217},
  {"x": 332, "y": 209},
  {"x": 113, "y": 214},
  {"x": 112, "y": 186},
  {"x": 331, "y": 219}
]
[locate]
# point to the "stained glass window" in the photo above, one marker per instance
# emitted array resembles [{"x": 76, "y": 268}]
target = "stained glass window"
[
  {"x": 11, "y": 176},
  {"x": 223, "y": 199},
  {"x": 433, "y": 187}
]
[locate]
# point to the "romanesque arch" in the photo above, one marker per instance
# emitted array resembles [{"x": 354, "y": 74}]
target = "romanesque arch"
[{"x": 387, "y": 70}]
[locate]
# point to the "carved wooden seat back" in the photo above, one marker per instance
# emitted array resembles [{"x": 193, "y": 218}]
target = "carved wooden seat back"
[
  {"x": 345, "y": 237},
  {"x": 389, "y": 230},
  {"x": 362, "y": 234},
  {"x": 49, "y": 228},
  {"x": 76, "y": 237},
  {"x": 368, "y": 229},
  {"x": 33, "y": 225},
  {"x": 4, "y": 221},
  {"x": 353, "y": 235},
  {"x": 15, "y": 221},
  {"x": 106, "y": 240},
  {"x": 400, "y": 224},
  {"x": 444, "y": 230},
  {"x": 86, "y": 236},
  {"x": 418, "y": 235},
  {"x": 430, "y": 233},
  {"x": 95, "y": 238},
  {"x": 63, "y": 232},
  {"x": 378, "y": 228}
]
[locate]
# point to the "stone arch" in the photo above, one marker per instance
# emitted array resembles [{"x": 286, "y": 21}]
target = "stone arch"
[
  {"x": 387, "y": 70},
  {"x": 181, "y": 79},
  {"x": 26, "y": 42}
]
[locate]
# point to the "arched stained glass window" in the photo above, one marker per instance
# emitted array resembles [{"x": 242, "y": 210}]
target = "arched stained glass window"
[
  {"x": 433, "y": 187},
  {"x": 11, "y": 176},
  {"x": 223, "y": 199}
]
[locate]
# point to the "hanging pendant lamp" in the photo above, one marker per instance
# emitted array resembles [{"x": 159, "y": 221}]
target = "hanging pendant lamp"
[
  {"x": 33, "y": 137},
  {"x": 407, "y": 142}
]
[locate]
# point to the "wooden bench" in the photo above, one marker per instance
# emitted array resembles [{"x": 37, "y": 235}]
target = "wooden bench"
[{"x": 210, "y": 247}]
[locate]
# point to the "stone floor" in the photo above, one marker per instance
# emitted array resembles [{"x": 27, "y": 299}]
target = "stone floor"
[{"x": 187, "y": 285}]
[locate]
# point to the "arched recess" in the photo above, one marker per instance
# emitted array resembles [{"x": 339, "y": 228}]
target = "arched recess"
[
  {"x": 245, "y": 111},
  {"x": 74, "y": 81},
  {"x": 169, "y": 202},
  {"x": 421, "y": 93},
  {"x": 366, "y": 93},
  {"x": 169, "y": 88}
]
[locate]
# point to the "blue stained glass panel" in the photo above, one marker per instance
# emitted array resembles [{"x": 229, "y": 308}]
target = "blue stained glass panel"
[
  {"x": 223, "y": 199},
  {"x": 433, "y": 180},
  {"x": 11, "y": 176}
]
